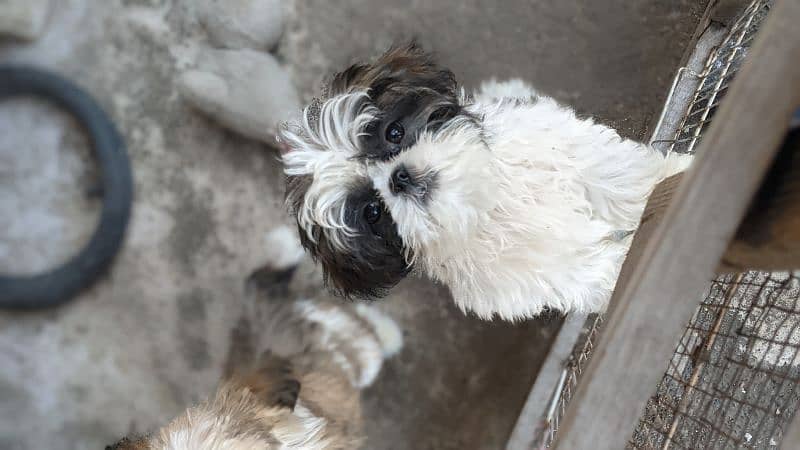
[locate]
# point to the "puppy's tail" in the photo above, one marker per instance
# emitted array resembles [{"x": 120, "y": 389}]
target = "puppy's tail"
[{"x": 675, "y": 163}]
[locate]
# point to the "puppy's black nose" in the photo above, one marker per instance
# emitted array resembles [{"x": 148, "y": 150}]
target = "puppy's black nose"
[{"x": 400, "y": 180}]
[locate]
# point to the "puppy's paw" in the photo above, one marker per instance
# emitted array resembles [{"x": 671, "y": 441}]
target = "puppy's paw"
[
  {"x": 274, "y": 383},
  {"x": 385, "y": 328}
]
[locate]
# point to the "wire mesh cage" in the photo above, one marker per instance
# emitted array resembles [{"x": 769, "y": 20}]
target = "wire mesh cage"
[
  {"x": 716, "y": 78},
  {"x": 734, "y": 379},
  {"x": 568, "y": 381}
]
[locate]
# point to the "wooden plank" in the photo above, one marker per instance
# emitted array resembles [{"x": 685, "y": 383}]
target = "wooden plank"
[
  {"x": 653, "y": 215},
  {"x": 530, "y": 427},
  {"x": 768, "y": 238},
  {"x": 649, "y": 311}
]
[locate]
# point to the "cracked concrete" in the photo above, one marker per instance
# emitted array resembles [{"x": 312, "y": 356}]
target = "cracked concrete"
[{"x": 157, "y": 333}]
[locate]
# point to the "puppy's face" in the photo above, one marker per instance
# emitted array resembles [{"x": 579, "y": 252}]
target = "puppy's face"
[
  {"x": 438, "y": 190},
  {"x": 370, "y": 116}
]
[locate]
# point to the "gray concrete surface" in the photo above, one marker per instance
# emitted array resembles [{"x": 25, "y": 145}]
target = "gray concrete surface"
[{"x": 156, "y": 334}]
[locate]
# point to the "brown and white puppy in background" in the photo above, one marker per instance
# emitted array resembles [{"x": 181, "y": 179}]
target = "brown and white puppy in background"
[{"x": 303, "y": 393}]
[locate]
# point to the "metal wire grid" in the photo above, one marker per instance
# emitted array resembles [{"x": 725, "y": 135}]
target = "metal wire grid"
[
  {"x": 705, "y": 400},
  {"x": 569, "y": 379},
  {"x": 734, "y": 380},
  {"x": 715, "y": 79}
]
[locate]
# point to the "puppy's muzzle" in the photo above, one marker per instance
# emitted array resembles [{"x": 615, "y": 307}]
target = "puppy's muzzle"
[
  {"x": 409, "y": 184},
  {"x": 400, "y": 181}
]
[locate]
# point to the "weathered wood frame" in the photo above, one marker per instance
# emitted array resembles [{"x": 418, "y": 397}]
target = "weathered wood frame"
[{"x": 673, "y": 259}]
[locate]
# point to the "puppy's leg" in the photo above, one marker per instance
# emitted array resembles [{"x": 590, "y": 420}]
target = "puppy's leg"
[{"x": 385, "y": 328}]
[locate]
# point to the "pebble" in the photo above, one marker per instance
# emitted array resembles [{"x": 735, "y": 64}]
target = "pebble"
[
  {"x": 245, "y": 90},
  {"x": 241, "y": 24},
  {"x": 23, "y": 19}
]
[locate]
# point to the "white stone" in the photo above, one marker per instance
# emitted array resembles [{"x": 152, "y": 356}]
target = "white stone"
[
  {"x": 245, "y": 90},
  {"x": 240, "y": 24},
  {"x": 23, "y": 18}
]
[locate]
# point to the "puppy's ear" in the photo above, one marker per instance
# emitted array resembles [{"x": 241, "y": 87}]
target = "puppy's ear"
[
  {"x": 411, "y": 65},
  {"x": 352, "y": 77},
  {"x": 368, "y": 272},
  {"x": 407, "y": 65}
]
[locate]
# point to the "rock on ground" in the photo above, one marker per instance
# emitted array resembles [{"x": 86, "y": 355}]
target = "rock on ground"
[
  {"x": 243, "y": 24},
  {"x": 245, "y": 90},
  {"x": 23, "y": 18}
]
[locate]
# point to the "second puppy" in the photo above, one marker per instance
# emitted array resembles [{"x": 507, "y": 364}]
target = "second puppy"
[{"x": 304, "y": 391}]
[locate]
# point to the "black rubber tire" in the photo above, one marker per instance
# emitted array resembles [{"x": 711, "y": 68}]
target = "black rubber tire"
[{"x": 60, "y": 284}]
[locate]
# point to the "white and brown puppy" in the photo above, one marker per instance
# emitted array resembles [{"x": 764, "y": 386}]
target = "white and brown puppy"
[
  {"x": 303, "y": 395},
  {"x": 507, "y": 197}
]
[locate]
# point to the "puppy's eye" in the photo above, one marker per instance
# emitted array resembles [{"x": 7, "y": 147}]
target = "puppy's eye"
[
  {"x": 372, "y": 212},
  {"x": 395, "y": 133}
]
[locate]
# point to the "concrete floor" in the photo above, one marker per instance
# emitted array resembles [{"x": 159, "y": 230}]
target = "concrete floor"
[{"x": 155, "y": 335}]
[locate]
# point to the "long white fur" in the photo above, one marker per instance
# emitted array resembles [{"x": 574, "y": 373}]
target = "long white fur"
[
  {"x": 526, "y": 211},
  {"x": 528, "y": 207},
  {"x": 341, "y": 120}
]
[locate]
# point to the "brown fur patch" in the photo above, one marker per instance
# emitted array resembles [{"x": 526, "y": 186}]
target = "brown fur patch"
[
  {"x": 254, "y": 403},
  {"x": 128, "y": 444},
  {"x": 401, "y": 66},
  {"x": 274, "y": 383}
]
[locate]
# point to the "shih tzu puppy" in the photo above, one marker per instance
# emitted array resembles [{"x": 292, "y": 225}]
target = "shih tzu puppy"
[
  {"x": 304, "y": 393},
  {"x": 507, "y": 197}
]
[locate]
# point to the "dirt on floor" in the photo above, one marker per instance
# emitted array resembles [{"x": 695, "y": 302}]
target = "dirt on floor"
[{"x": 156, "y": 333}]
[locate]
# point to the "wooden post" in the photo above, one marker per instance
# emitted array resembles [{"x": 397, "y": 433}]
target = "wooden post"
[{"x": 650, "y": 309}]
